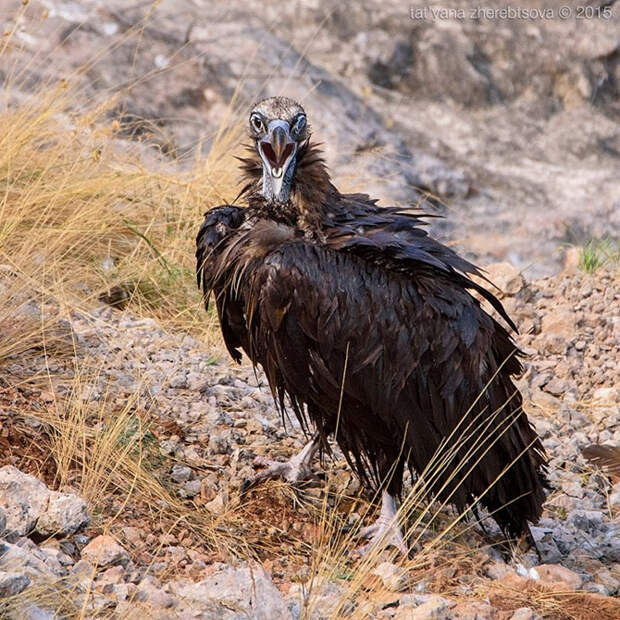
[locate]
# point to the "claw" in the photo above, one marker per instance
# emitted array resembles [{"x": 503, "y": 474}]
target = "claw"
[
  {"x": 385, "y": 530},
  {"x": 297, "y": 469}
]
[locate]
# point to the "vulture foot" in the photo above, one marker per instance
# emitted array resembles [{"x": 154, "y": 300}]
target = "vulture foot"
[
  {"x": 385, "y": 530},
  {"x": 297, "y": 469}
]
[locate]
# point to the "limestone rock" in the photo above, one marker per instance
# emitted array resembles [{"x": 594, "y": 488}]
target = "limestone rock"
[
  {"x": 66, "y": 513},
  {"x": 23, "y": 499},
  {"x": 29, "y": 505},
  {"x": 434, "y": 608},
  {"x": 248, "y": 589},
  {"x": 28, "y": 559}
]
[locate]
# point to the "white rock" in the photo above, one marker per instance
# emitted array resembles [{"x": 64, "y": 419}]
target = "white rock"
[
  {"x": 66, "y": 514},
  {"x": 12, "y": 583},
  {"x": 246, "y": 588},
  {"x": 2, "y": 522},
  {"x": 23, "y": 498},
  {"x": 614, "y": 496},
  {"x": 32, "y": 562},
  {"x": 30, "y": 506},
  {"x": 394, "y": 578},
  {"x": 216, "y": 505}
]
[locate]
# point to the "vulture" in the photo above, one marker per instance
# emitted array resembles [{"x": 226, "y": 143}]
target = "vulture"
[{"x": 370, "y": 331}]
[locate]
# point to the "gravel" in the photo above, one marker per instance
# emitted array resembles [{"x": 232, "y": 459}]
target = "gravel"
[{"x": 213, "y": 422}]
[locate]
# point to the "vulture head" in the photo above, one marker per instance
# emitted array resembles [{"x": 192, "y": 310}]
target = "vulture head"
[{"x": 278, "y": 126}]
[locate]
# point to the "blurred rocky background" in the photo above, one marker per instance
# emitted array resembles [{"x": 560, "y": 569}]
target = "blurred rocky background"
[{"x": 511, "y": 123}]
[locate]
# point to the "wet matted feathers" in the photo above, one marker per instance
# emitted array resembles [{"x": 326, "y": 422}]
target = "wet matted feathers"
[{"x": 326, "y": 282}]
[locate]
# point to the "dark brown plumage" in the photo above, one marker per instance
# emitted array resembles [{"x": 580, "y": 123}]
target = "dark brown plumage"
[
  {"x": 326, "y": 281},
  {"x": 606, "y": 457}
]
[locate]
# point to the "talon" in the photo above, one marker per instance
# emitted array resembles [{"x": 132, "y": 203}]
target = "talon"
[
  {"x": 296, "y": 469},
  {"x": 385, "y": 530}
]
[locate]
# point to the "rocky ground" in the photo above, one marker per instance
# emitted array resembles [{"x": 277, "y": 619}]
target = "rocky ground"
[
  {"x": 511, "y": 125},
  {"x": 206, "y": 424}
]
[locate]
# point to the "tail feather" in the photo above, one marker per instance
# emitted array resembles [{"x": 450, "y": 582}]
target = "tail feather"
[{"x": 604, "y": 456}]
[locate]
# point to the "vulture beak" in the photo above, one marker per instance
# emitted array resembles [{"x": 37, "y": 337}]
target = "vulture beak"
[{"x": 277, "y": 150}]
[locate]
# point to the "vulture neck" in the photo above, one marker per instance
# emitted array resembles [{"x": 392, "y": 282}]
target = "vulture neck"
[{"x": 310, "y": 190}]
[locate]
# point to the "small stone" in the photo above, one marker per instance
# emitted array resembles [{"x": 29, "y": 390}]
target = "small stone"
[
  {"x": 190, "y": 488},
  {"x": 546, "y": 544},
  {"x": 83, "y": 570},
  {"x": 586, "y": 520},
  {"x": 556, "y": 575},
  {"x": 148, "y": 591},
  {"x": 2, "y": 522},
  {"x": 12, "y": 583},
  {"x": 608, "y": 580},
  {"x": 132, "y": 534},
  {"x": 506, "y": 277},
  {"x": 498, "y": 570},
  {"x": 472, "y": 610},
  {"x": 113, "y": 575},
  {"x": 435, "y": 608},
  {"x": 394, "y": 578},
  {"x": 196, "y": 381},
  {"x": 29, "y": 559},
  {"x": 525, "y": 613},
  {"x": 34, "y": 612},
  {"x": 557, "y": 387},
  {"x": 181, "y": 473},
  {"x": 216, "y": 505},
  {"x": 179, "y": 381},
  {"x": 559, "y": 321},
  {"x": 105, "y": 551}
]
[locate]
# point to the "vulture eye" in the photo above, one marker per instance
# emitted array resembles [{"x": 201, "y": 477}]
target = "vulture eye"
[
  {"x": 300, "y": 123},
  {"x": 257, "y": 123}
]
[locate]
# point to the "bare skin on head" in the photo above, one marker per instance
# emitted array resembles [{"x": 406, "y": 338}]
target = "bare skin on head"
[{"x": 278, "y": 125}]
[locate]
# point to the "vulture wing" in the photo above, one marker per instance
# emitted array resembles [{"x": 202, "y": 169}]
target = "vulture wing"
[{"x": 378, "y": 340}]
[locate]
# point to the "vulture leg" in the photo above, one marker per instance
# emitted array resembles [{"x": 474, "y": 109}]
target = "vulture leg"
[
  {"x": 386, "y": 529},
  {"x": 297, "y": 469}
]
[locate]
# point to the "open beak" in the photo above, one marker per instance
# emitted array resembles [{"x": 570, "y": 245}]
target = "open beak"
[{"x": 277, "y": 149}]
